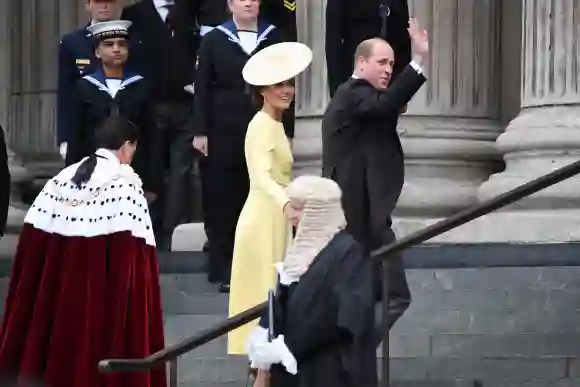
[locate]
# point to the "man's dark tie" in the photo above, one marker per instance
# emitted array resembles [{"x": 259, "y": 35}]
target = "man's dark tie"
[{"x": 170, "y": 20}]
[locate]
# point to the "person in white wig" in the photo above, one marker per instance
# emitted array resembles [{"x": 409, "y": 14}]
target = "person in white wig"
[{"x": 323, "y": 309}]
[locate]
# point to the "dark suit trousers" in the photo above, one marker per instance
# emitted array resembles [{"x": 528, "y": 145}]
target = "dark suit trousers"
[
  {"x": 227, "y": 186},
  {"x": 205, "y": 176},
  {"x": 171, "y": 209},
  {"x": 399, "y": 296},
  {"x": 368, "y": 213},
  {"x": 398, "y": 290}
]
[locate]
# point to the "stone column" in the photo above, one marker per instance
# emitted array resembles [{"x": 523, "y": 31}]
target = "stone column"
[
  {"x": 29, "y": 40},
  {"x": 5, "y": 44},
  {"x": 312, "y": 90},
  {"x": 449, "y": 130},
  {"x": 545, "y": 135},
  {"x": 37, "y": 28}
]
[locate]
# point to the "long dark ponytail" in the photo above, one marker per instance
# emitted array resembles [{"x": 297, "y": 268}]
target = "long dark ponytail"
[{"x": 111, "y": 134}]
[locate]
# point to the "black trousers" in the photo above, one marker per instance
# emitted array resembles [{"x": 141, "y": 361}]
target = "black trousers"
[
  {"x": 205, "y": 197},
  {"x": 399, "y": 296},
  {"x": 226, "y": 190},
  {"x": 171, "y": 209},
  {"x": 368, "y": 213}
]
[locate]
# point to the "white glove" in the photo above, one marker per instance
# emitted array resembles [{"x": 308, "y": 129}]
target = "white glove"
[
  {"x": 62, "y": 150},
  {"x": 263, "y": 354},
  {"x": 190, "y": 88}
]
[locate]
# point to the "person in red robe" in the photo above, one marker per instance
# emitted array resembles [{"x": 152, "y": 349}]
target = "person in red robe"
[{"x": 85, "y": 279}]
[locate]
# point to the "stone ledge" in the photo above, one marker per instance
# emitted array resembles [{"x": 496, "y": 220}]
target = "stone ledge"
[
  {"x": 448, "y": 256},
  {"x": 466, "y": 256}
]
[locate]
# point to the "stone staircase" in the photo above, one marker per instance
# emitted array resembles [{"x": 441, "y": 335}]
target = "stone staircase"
[
  {"x": 191, "y": 304},
  {"x": 466, "y": 327}
]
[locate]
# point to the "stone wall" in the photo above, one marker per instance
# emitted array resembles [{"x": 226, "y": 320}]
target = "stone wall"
[{"x": 502, "y": 327}]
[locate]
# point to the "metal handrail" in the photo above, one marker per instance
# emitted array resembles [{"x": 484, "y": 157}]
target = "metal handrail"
[{"x": 383, "y": 253}]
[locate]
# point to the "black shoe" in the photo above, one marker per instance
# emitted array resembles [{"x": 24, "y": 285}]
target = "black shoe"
[
  {"x": 205, "y": 247},
  {"x": 224, "y": 288}
]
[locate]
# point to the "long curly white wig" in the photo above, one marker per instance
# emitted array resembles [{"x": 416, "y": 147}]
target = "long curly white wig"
[{"x": 322, "y": 218}]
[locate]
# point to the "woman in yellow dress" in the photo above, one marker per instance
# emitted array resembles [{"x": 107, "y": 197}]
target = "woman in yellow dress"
[{"x": 265, "y": 224}]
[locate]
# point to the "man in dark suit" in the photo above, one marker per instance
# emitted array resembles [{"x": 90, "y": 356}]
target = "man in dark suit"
[
  {"x": 4, "y": 183},
  {"x": 166, "y": 40},
  {"x": 362, "y": 152},
  {"x": 349, "y": 22},
  {"x": 76, "y": 58}
]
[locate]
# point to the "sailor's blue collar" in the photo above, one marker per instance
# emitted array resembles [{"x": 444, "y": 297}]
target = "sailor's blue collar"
[
  {"x": 100, "y": 76},
  {"x": 99, "y": 79},
  {"x": 231, "y": 26}
]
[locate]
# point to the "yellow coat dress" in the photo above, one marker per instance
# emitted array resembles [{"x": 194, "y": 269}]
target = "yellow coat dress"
[{"x": 262, "y": 232}]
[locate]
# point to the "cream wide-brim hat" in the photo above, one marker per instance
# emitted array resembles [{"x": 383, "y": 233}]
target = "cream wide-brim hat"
[{"x": 277, "y": 63}]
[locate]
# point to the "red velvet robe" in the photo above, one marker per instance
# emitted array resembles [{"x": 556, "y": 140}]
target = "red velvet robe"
[{"x": 85, "y": 284}]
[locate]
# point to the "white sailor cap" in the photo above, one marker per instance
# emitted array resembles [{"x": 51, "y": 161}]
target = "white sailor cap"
[{"x": 110, "y": 29}]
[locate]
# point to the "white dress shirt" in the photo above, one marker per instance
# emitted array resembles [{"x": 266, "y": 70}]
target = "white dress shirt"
[{"x": 160, "y": 6}]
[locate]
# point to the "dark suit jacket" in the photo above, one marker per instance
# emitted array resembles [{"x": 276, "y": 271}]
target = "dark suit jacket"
[
  {"x": 349, "y": 22},
  {"x": 362, "y": 152},
  {"x": 211, "y": 12},
  {"x": 4, "y": 183},
  {"x": 166, "y": 61}
]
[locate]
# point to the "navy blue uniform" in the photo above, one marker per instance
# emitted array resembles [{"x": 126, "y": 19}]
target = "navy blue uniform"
[
  {"x": 76, "y": 58},
  {"x": 93, "y": 102}
]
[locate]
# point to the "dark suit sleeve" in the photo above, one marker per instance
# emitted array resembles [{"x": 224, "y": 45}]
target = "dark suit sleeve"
[
  {"x": 137, "y": 58},
  {"x": 4, "y": 183},
  {"x": 334, "y": 47},
  {"x": 66, "y": 81},
  {"x": 76, "y": 136},
  {"x": 203, "y": 81},
  {"x": 367, "y": 101}
]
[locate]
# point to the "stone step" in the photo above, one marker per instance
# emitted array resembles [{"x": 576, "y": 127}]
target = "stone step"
[
  {"x": 225, "y": 371},
  {"x": 191, "y": 294},
  {"x": 394, "y": 383}
]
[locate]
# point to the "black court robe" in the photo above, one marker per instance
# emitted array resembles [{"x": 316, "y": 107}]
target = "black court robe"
[
  {"x": 223, "y": 105},
  {"x": 92, "y": 104},
  {"x": 4, "y": 182},
  {"x": 327, "y": 320}
]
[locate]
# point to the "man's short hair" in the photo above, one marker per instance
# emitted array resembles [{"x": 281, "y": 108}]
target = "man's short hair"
[{"x": 366, "y": 48}]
